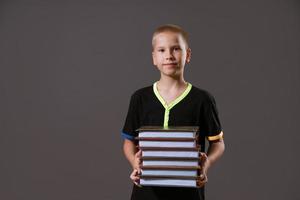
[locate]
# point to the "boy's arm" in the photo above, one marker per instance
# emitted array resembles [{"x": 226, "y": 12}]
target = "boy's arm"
[
  {"x": 130, "y": 150},
  {"x": 214, "y": 152},
  {"x": 134, "y": 157}
]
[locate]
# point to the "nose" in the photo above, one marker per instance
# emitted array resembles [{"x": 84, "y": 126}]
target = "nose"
[{"x": 169, "y": 55}]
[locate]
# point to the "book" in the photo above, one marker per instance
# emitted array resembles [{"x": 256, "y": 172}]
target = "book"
[
  {"x": 170, "y": 153},
  {"x": 167, "y": 144},
  {"x": 170, "y": 163},
  {"x": 168, "y": 132},
  {"x": 177, "y": 149},
  {"x": 170, "y": 171},
  {"x": 170, "y": 156},
  {"x": 178, "y": 181},
  {"x": 171, "y": 167},
  {"x": 155, "y": 136}
]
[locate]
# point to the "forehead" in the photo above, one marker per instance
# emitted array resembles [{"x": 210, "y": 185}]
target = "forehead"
[{"x": 167, "y": 38}]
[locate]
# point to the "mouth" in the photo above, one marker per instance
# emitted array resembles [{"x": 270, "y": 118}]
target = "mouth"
[{"x": 170, "y": 64}]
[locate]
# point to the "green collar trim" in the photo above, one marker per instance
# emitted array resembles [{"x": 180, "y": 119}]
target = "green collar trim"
[{"x": 174, "y": 102}]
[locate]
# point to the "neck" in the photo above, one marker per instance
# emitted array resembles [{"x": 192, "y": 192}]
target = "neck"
[{"x": 167, "y": 82}]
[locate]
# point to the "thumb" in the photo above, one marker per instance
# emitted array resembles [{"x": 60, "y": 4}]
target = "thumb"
[
  {"x": 203, "y": 156},
  {"x": 139, "y": 171},
  {"x": 203, "y": 159},
  {"x": 139, "y": 154},
  {"x": 202, "y": 176}
]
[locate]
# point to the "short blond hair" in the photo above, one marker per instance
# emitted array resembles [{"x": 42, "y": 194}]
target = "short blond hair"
[{"x": 171, "y": 28}]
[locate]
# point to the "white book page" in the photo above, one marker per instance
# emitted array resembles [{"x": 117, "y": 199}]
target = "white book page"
[
  {"x": 169, "y": 163},
  {"x": 170, "y": 172},
  {"x": 167, "y": 144},
  {"x": 186, "y": 154},
  {"x": 169, "y": 182}
]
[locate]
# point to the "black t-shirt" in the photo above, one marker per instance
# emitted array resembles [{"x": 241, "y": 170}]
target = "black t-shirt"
[{"x": 195, "y": 107}]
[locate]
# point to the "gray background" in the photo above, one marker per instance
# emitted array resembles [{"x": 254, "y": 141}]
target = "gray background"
[{"x": 68, "y": 69}]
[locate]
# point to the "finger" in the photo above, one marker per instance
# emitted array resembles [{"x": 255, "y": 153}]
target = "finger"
[
  {"x": 203, "y": 161},
  {"x": 137, "y": 184},
  {"x": 200, "y": 184},
  {"x": 135, "y": 178},
  {"x": 139, "y": 171},
  {"x": 134, "y": 171},
  {"x": 139, "y": 161},
  {"x": 139, "y": 154},
  {"x": 203, "y": 178},
  {"x": 203, "y": 156},
  {"x": 133, "y": 174},
  {"x": 137, "y": 165}
]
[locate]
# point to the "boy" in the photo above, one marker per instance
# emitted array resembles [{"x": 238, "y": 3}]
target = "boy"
[{"x": 172, "y": 101}]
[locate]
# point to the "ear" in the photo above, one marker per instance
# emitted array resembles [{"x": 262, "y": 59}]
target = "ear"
[{"x": 188, "y": 55}]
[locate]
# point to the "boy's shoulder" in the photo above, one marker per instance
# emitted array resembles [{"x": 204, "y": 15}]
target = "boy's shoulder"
[
  {"x": 143, "y": 91},
  {"x": 202, "y": 93}
]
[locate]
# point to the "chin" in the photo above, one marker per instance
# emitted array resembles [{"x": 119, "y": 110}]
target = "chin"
[{"x": 173, "y": 73}]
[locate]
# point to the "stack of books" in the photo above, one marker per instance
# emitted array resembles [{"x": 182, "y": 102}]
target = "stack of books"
[{"x": 170, "y": 156}]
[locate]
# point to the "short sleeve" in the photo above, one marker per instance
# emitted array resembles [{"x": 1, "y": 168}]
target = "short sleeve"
[
  {"x": 210, "y": 125},
  {"x": 132, "y": 119}
]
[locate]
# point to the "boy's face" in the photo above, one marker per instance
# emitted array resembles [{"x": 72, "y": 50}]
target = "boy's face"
[{"x": 170, "y": 53}]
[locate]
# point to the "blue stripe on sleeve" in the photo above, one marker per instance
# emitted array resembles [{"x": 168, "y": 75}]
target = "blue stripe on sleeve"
[{"x": 127, "y": 136}]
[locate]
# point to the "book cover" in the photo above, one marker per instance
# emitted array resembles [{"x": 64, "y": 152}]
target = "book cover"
[{"x": 165, "y": 132}]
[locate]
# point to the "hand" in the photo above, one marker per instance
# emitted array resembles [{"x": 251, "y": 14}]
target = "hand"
[
  {"x": 134, "y": 176},
  {"x": 205, "y": 164},
  {"x": 137, "y": 162}
]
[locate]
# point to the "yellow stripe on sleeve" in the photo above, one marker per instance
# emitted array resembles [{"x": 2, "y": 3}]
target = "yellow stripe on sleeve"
[{"x": 215, "y": 137}]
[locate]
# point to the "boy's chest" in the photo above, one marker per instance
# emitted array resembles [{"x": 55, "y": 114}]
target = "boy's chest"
[
  {"x": 170, "y": 97},
  {"x": 185, "y": 113}
]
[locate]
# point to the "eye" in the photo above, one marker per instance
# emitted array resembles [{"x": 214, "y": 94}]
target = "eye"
[
  {"x": 161, "y": 50},
  {"x": 177, "y": 48}
]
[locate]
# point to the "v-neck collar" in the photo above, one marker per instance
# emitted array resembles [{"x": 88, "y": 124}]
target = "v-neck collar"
[{"x": 175, "y": 101}]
